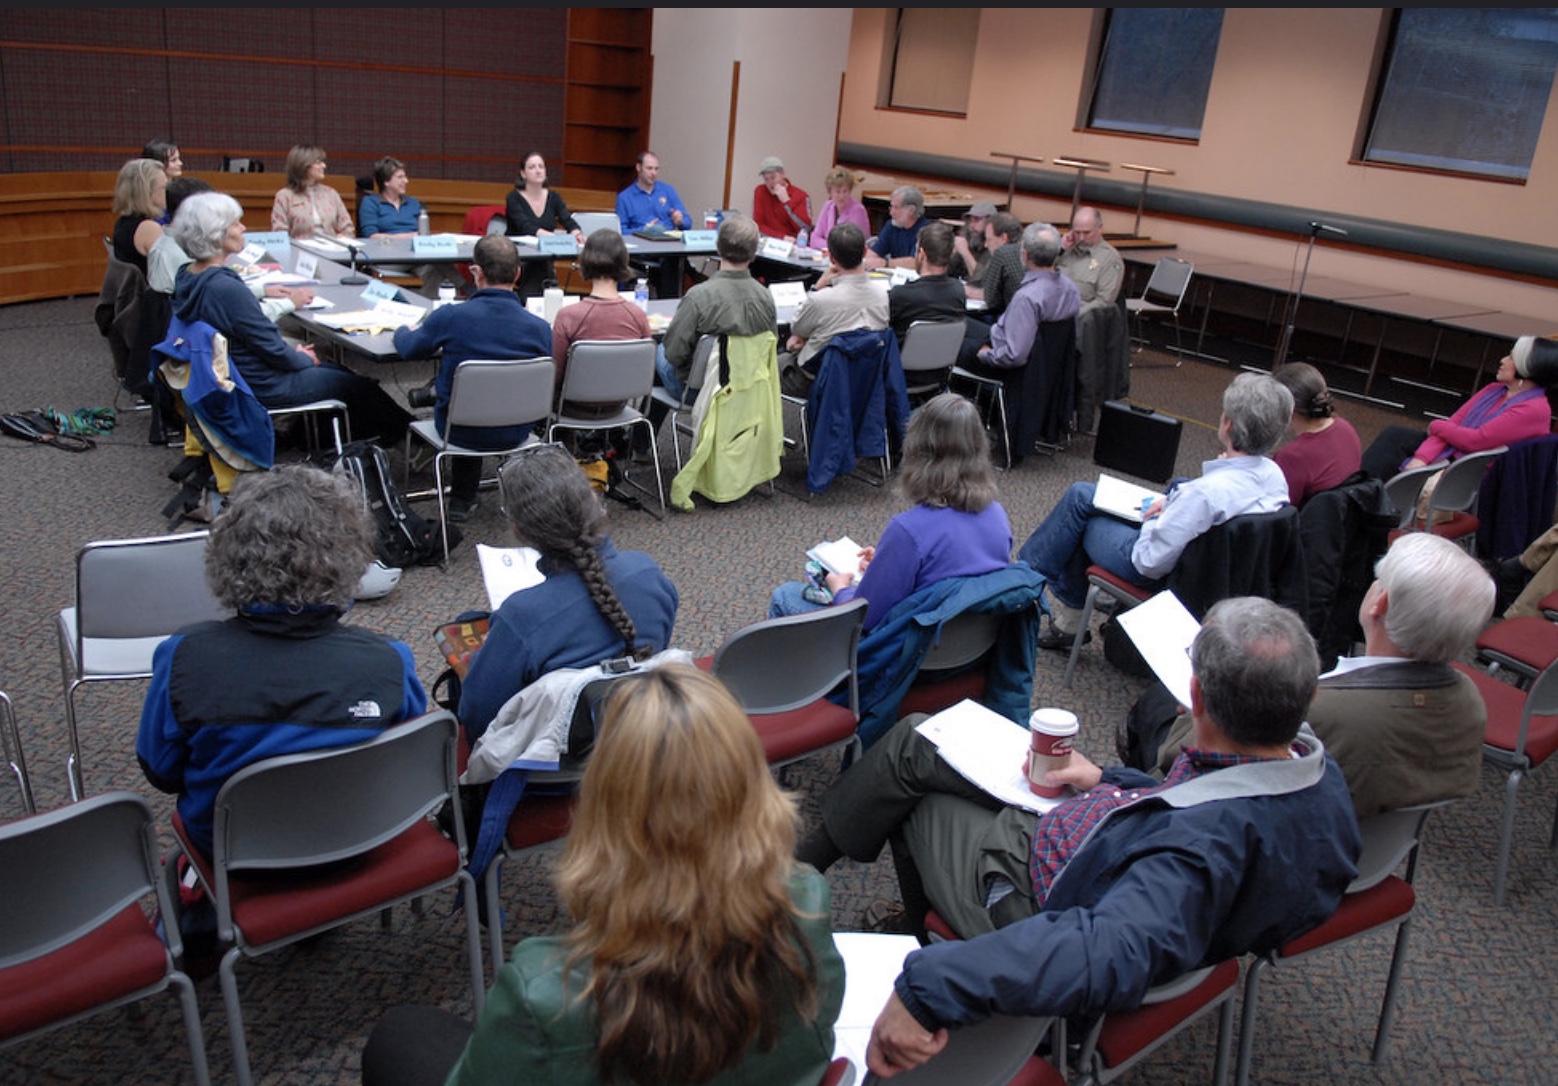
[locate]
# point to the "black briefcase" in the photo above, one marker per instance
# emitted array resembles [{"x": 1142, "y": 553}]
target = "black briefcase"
[{"x": 1136, "y": 441}]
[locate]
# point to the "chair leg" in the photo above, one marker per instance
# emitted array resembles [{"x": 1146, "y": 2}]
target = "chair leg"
[
  {"x": 473, "y": 942},
  {"x": 235, "y": 1017},
  {"x": 443, "y": 515},
  {"x": 1387, "y": 1011},
  {"x": 494, "y": 911},
  {"x": 1224, "y": 1042},
  {"x": 1241, "y": 1073},
  {"x": 1082, "y": 624},
  {"x": 78, "y": 787},
  {"x": 1506, "y": 836},
  {"x": 197, "y": 1041}
]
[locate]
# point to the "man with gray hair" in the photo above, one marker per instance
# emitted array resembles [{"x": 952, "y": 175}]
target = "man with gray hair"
[
  {"x": 1045, "y": 295},
  {"x": 1404, "y": 725},
  {"x": 1250, "y": 842},
  {"x": 895, "y": 243},
  {"x": 1242, "y": 479}
]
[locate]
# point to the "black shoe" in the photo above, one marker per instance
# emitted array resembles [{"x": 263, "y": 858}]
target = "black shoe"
[
  {"x": 425, "y": 396},
  {"x": 459, "y": 510},
  {"x": 1057, "y": 640}
]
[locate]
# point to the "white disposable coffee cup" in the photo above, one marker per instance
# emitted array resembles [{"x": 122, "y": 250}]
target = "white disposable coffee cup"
[{"x": 1051, "y": 736}]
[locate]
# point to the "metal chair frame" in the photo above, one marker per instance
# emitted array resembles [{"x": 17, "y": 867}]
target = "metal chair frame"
[
  {"x": 1164, "y": 293},
  {"x": 1389, "y": 838},
  {"x": 131, "y": 595},
  {"x": 301, "y": 811},
  {"x": 74, "y": 870},
  {"x": 608, "y": 371},
  {"x": 11, "y": 743},
  {"x": 485, "y": 392}
]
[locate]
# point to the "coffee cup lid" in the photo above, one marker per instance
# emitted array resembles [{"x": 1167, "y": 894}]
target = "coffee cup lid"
[{"x": 1053, "y": 721}]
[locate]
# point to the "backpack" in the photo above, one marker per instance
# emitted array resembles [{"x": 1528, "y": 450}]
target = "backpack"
[{"x": 403, "y": 538}]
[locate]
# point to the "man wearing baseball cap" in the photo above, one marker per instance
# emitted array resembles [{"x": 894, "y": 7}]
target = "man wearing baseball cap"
[
  {"x": 970, "y": 254},
  {"x": 780, "y": 209}
]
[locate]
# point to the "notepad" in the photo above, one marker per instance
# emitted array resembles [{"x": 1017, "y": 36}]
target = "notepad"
[
  {"x": 507, "y": 570},
  {"x": 1119, "y": 498},
  {"x": 842, "y": 555}
]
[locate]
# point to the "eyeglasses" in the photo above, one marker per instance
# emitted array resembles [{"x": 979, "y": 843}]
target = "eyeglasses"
[{"x": 519, "y": 454}]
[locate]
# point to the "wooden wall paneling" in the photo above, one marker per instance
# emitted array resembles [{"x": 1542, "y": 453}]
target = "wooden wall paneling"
[{"x": 608, "y": 77}]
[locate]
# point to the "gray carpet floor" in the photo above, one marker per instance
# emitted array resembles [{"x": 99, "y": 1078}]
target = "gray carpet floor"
[{"x": 1477, "y": 1001}]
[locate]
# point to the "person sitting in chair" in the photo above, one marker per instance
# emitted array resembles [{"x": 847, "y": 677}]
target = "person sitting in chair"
[{"x": 1242, "y": 479}]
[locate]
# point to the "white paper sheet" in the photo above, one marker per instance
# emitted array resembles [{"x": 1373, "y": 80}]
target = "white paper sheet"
[
  {"x": 507, "y": 570},
  {"x": 1119, "y": 498},
  {"x": 842, "y": 555},
  {"x": 988, "y": 750},
  {"x": 871, "y": 963},
  {"x": 1162, "y": 630}
]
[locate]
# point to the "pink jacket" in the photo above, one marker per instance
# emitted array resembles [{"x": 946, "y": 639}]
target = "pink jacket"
[{"x": 1525, "y": 415}]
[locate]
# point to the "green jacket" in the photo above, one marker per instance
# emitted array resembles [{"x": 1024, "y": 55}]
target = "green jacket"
[
  {"x": 741, "y": 432},
  {"x": 528, "y": 1036}
]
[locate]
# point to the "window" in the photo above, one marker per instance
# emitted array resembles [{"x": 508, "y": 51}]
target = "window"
[
  {"x": 1464, "y": 90},
  {"x": 1153, "y": 71},
  {"x": 932, "y": 54}
]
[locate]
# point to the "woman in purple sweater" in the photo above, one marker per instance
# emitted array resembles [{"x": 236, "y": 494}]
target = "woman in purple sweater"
[{"x": 955, "y": 528}]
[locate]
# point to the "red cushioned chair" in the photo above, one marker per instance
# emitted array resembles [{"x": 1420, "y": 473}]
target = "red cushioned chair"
[
  {"x": 1120, "y": 1040},
  {"x": 479, "y": 221},
  {"x": 946, "y": 673},
  {"x": 1525, "y": 644},
  {"x": 782, "y": 671},
  {"x": 1378, "y": 898},
  {"x": 1522, "y": 733},
  {"x": 73, "y": 939},
  {"x": 349, "y": 829}
]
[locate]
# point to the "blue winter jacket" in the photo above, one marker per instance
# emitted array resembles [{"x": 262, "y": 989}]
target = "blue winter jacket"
[
  {"x": 890, "y": 654},
  {"x": 859, "y": 404}
]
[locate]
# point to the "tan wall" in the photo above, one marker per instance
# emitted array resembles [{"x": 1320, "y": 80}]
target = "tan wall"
[{"x": 1287, "y": 94}]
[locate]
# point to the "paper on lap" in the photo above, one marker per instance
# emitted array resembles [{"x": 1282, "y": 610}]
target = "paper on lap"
[{"x": 988, "y": 750}]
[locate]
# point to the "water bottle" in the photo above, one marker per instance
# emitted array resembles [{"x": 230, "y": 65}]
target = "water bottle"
[
  {"x": 641, "y": 295},
  {"x": 446, "y": 293},
  {"x": 802, "y": 238},
  {"x": 423, "y": 227}
]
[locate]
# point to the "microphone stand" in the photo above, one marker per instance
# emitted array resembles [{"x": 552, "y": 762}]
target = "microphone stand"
[
  {"x": 356, "y": 278},
  {"x": 1298, "y": 295}
]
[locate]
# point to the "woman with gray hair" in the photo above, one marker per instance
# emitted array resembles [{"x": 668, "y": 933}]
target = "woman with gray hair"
[
  {"x": 283, "y": 675},
  {"x": 1242, "y": 479},
  {"x": 595, "y": 602},
  {"x": 1512, "y": 408},
  {"x": 209, "y": 227}
]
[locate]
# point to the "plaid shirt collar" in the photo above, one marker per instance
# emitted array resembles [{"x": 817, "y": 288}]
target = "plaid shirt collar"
[{"x": 1061, "y": 830}]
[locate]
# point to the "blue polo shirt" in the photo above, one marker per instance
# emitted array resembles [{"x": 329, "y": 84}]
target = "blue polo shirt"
[
  {"x": 637, "y": 208},
  {"x": 893, "y": 242},
  {"x": 376, "y": 215}
]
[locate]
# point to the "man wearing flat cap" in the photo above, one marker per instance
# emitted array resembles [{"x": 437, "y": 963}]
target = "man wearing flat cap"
[
  {"x": 970, "y": 255},
  {"x": 780, "y": 208}
]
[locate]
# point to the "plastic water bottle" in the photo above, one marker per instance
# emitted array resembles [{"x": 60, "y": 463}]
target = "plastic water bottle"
[
  {"x": 423, "y": 226},
  {"x": 446, "y": 293},
  {"x": 802, "y": 238},
  {"x": 641, "y": 295}
]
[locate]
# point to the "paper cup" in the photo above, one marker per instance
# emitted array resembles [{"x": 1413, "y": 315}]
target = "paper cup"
[{"x": 1051, "y": 734}]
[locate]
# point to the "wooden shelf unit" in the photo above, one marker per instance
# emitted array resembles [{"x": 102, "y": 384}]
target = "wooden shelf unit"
[{"x": 608, "y": 82}]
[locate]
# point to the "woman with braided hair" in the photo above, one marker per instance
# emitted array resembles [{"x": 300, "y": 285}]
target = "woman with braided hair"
[{"x": 596, "y": 602}]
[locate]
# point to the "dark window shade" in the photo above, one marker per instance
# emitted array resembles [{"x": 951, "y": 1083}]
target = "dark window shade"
[
  {"x": 1465, "y": 90},
  {"x": 1154, "y": 71}
]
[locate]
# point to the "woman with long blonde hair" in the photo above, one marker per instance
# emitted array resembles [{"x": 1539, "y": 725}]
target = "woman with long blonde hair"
[{"x": 700, "y": 953}]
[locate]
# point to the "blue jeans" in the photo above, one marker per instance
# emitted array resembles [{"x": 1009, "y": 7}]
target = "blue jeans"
[
  {"x": 1073, "y": 537},
  {"x": 787, "y": 600},
  {"x": 667, "y": 374}
]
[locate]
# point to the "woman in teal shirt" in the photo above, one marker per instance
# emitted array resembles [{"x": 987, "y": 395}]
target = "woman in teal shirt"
[{"x": 701, "y": 952}]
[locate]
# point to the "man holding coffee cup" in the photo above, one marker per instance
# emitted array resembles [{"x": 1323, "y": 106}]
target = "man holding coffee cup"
[{"x": 1250, "y": 842}]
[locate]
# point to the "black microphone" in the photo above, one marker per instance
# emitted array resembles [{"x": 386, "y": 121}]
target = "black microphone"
[{"x": 1320, "y": 227}]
